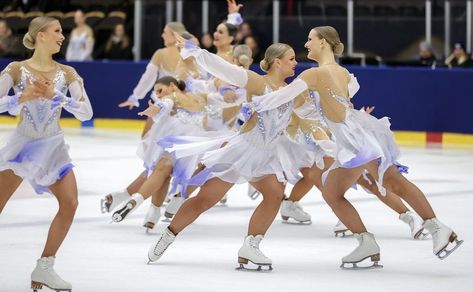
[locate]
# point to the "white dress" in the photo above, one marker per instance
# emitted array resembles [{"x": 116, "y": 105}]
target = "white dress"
[
  {"x": 249, "y": 156},
  {"x": 360, "y": 137},
  {"x": 80, "y": 47},
  {"x": 36, "y": 150}
]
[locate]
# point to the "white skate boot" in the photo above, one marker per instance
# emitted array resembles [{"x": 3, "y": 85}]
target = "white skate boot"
[
  {"x": 294, "y": 210},
  {"x": 112, "y": 200},
  {"x": 341, "y": 229},
  {"x": 44, "y": 275},
  {"x": 157, "y": 249},
  {"x": 367, "y": 248},
  {"x": 442, "y": 236},
  {"x": 415, "y": 223},
  {"x": 173, "y": 206},
  {"x": 252, "y": 192},
  {"x": 152, "y": 217},
  {"x": 250, "y": 252},
  {"x": 132, "y": 204}
]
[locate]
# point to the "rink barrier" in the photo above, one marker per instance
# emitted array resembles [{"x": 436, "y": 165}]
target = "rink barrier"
[{"x": 404, "y": 138}]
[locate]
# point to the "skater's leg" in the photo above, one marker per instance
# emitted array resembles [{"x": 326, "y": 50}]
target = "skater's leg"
[
  {"x": 9, "y": 182},
  {"x": 65, "y": 190},
  {"x": 209, "y": 195}
]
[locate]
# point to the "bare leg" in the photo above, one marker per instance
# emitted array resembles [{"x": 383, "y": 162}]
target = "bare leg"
[
  {"x": 160, "y": 195},
  {"x": 337, "y": 183},
  {"x": 391, "y": 200},
  {"x": 157, "y": 179},
  {"x": 273, "y": 193},
  {"x": 136, "y": 184},
  {"x": 9, "y": 182},
  {"x": 302, "y": 187},
  {"x": 209, "y": 195},
  {"x": 398, "y": 184},
  {"x": 65, "y": 190}
]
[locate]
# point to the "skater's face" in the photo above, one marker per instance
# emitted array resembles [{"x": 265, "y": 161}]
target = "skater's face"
[
  {"x": 168, "y": 37},
  {"x": 314, "y": 45},
  {"x": 51, "y": 38},
  {"x": 287, "y": 64},
  {"x": 79, "y": 18},
  {"x": 221, "y": 36},
  {"x": 162, "y": 90}
]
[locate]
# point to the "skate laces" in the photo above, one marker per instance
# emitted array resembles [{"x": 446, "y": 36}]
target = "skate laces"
[
  {"x": 254, "y": 244},
  {"x": 162, "y": 243}
]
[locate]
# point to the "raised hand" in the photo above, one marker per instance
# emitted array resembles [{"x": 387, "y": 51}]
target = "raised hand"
[
  {"x": 368, "y": 109},
  {"x": 129, "y": 104},
  {"x": 34, "y": 89},
  {"x": 233, "y": 6},
  {"x": 179, "y": 40},
  {"x": 151, "y": 111}
]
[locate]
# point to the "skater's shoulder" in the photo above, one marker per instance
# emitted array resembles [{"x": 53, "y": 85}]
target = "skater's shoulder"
[{"x": 71, "y": 74}]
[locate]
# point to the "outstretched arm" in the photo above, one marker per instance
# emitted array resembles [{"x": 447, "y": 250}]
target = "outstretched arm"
[{"x": 212, "y": 63}]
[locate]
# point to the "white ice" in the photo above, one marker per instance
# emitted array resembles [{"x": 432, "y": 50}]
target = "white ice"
[{"x": 98, "y": 256}]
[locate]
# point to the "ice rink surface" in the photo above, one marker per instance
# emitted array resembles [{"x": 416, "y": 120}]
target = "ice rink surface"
[{"x": 98, "y": 256}]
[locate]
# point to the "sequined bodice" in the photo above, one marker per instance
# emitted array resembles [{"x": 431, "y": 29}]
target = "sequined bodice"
[
  {"x": 272, "y": 123},
  {"x": 38, "y": 118},
  {"x": 190, "y": 118}
]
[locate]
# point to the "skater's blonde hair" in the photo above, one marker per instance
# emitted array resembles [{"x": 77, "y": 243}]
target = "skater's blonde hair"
[
  {"x": 330, "y": 34},
  {"x": 36, "y": 25},
  {"x": 273, "y": 52},
  {"x": 243, "y": 55}
]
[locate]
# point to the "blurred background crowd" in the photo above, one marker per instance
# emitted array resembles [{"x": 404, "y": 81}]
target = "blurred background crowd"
[{"x": 385, "y": 32}]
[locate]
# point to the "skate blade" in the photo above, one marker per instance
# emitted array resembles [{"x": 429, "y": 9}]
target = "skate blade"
[
  {"x": 121, "y": 214},
  {"x": 103, "y": 207},
  {"x": 254, "y": 195},
  {"x": 167, "y": 220},
  {"x": 168, "y": 215},
  {"x": 444, "y": 253},
  {"x": 35, "y": 286},
  {"x": 374, "y": 259},
  {"x": 249, "y": 266},
  {"x": 295, "y": 222},
  {"x": 343, "y": 233}
]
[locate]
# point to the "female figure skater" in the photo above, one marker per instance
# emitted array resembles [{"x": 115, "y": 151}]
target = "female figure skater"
[
  {"x": 81, "y": 42},
  {"x": 36, "y": 150},
  {"x": 259, "y": 153},
  {"x": 361, "y": 146}
]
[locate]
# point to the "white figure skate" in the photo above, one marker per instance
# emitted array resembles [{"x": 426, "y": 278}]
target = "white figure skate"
[
  {"x": 152, "y": 217},
  {"x": 442, "y": 236},
  {"x": 132, "y": 204},
  {"x": 157, "y": 250},
  {"x": 341, "y": 230},
  {"x": 293, "y": 210},
  {"x": 112, "y": 200},
  {"x": 44, "y": 275},
  {"x": 415, "y": 224},
  {"x": 250, "y": 252},
  {"x": 367, "y": 248},
  {"x": 173, "y": 206}
]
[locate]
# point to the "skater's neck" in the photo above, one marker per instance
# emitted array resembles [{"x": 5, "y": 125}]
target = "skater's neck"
[{"x": 275, "y": 79}]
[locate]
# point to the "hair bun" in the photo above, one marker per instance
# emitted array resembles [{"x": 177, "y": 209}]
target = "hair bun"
[
  {"x": 264, "y": 65},
  {"x": 244, "y": 60},
  {"x": 28, "y": 41},
  {"x": 181, "y": 85},
  {"x": 338, "y": 49}
]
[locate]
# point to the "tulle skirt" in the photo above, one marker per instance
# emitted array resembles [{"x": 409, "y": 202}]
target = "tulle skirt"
[{"x": 40, "y": 161}]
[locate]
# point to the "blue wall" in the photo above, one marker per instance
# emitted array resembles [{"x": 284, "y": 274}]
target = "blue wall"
[{"x": 416, "y": 99}]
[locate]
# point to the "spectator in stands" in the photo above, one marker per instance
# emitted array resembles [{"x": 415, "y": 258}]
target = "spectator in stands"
[
  {"x": 10, "y": 45},
  {"x": 426, "y": 54},
  {"x": 459, "y": 58},
  {"x": 22, "y": 5},
  {"x": 206, "y": 42},
  {"x": 81, "y": 41},
  {"x": 244, "y": 30},
  {"x": 118, "y": 45},
  {"x": 252, "y": 42}
]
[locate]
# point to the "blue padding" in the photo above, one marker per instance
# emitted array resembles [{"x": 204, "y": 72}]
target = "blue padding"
[{"x": 416, "y": 99}]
